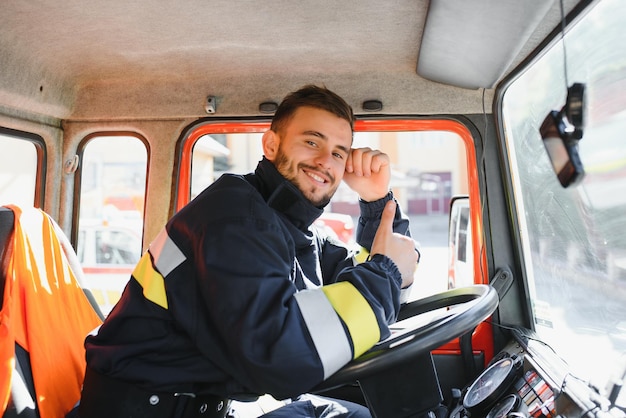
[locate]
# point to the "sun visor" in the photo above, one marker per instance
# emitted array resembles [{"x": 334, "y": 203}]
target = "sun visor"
[{"x": 474, "y": 52}]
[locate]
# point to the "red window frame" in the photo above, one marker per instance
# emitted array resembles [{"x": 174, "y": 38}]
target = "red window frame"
[{"x": 482, "y": 339}]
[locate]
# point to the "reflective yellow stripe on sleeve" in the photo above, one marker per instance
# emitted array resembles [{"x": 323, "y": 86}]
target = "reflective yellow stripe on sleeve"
[
  {"x": 362, "y": 255},
  {"x": 356, "y": 313},
  {"x": 151, "y": 281},
  {"x": 162, "y": 257}
]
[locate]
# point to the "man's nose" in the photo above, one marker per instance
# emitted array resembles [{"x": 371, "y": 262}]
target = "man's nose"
[{"x": 324, "y": 159}]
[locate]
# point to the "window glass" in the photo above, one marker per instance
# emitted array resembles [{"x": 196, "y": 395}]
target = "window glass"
[
  {"x": 112, "y": 195},
  {"x": 428, "y": 168},
  {"x": 574, "y": 238},
  {"x": 18, "y": 170}
]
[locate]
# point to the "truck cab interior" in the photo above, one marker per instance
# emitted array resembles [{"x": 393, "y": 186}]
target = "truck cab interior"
[{"x": 508, "y": 112}]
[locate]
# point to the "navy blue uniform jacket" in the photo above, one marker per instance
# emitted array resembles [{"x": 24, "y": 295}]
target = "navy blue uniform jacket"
[{"x": 239, "y": 295}]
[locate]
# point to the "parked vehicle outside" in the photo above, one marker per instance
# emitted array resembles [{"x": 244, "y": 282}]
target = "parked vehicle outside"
[
  {"x": 341, "y": 225},
  {"x": 108, "y": 254}
]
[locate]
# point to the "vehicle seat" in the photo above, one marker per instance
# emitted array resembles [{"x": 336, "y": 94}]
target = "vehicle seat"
[{"x": 44, "y": 317}]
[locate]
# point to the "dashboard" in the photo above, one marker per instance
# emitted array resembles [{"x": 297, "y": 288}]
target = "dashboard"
[
  {"x": 528, "y": 379},
  {"x": 505, "y": 389}
]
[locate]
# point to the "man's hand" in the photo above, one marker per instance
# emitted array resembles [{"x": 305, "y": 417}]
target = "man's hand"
[
  {"x": 368, "y": 172},
  {"x": 399, "y": 248}
]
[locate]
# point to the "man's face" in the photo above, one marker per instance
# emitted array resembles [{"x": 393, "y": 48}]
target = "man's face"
[{"x": 312, "y": 153}]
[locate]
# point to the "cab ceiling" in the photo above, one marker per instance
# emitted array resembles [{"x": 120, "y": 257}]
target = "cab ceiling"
[{"x": 118, "y": 59}]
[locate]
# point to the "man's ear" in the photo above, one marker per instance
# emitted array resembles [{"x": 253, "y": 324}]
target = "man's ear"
[{"x": 270, "y": 143}]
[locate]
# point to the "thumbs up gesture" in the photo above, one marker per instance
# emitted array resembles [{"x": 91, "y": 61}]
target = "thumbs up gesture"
[{"x": 399, "y": 248}]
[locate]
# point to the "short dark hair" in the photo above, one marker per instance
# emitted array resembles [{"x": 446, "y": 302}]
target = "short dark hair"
[{"x": 311, "y": 96}]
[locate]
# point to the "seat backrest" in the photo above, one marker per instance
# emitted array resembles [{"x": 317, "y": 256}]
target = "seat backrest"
[
  {"x": 44, "y": 317},
  {"x": 6, "y": 228},
  {"x": 22, "y": 396}
]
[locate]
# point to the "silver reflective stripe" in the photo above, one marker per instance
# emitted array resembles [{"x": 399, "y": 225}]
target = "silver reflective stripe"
[
  {"x": 165, "y": 253},
  {"x": 329, "y": 337}
]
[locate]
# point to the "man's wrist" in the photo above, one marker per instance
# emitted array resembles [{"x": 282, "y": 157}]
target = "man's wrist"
[
  {"x": 389, "y": 264},
  {"x": 373, "y": 197},
  {"x": 375, "y": 207}
]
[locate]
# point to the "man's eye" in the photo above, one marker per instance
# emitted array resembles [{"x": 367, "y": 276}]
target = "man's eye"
[
  {"x": 311, "y": 143},
  {"x": 338, "y": 155}
]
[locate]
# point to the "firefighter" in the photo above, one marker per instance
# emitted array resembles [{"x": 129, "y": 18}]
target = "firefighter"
[{"x": 240, "y": 295}]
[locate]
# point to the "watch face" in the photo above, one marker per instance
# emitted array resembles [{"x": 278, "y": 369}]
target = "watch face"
[
  {"x": 504, "y": 407},
  {"x": 489, "y": 385}
]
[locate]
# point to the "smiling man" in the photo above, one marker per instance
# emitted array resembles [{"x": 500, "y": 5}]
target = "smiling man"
[
  {"x": 240, "y": 295},
  {"x": 312, "y": 153}
]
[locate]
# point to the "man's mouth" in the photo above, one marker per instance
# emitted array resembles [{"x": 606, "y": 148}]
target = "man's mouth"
[{"x": 315, "y": 177}]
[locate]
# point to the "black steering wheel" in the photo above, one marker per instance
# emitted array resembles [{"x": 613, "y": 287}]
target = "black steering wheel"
[{"x": 468, "y": 307}]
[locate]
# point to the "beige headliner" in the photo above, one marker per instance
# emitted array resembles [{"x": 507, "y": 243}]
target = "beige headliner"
[{"x": 87, "y": 60}]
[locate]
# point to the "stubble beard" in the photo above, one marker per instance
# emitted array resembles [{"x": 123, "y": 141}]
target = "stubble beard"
[{"x": 289, "y": 171}]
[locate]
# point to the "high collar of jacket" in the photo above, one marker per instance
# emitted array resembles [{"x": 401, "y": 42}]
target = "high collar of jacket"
[{"x": 284, "y": 197}]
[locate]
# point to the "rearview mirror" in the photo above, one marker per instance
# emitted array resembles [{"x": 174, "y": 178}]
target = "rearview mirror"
[
  {"x": 460, "y": 251},
  {"x": 561, "y": 131}
]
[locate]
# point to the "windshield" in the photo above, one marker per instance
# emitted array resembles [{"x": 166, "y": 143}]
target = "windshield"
[{"x": 574, "y": 238}]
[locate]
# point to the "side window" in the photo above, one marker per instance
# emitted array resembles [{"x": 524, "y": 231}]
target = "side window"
[
  {"x": 428, "y": 169},
  {"x": 572, "y": 240},
  {"x": 21, "y": 169},
  {"x": 110, "y": 223}
]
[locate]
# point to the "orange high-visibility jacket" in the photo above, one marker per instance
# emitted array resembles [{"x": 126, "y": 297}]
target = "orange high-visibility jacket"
[{"x": 45, "y": 311}]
